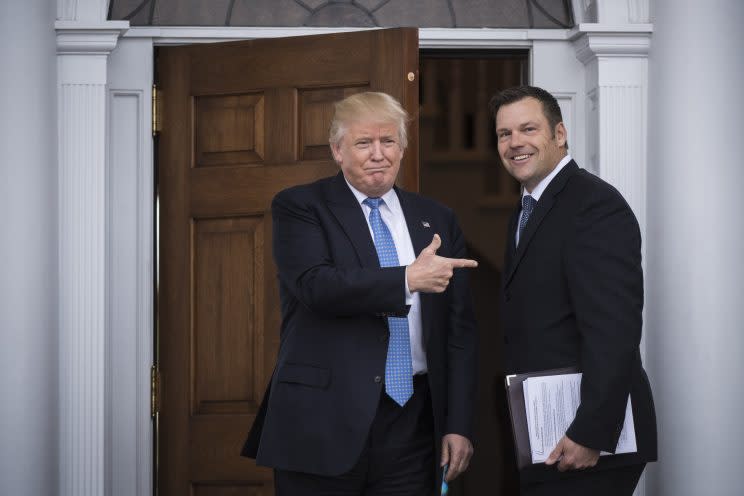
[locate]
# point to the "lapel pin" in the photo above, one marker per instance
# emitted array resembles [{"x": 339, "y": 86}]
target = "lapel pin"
[{"x": 425, "y": 224}]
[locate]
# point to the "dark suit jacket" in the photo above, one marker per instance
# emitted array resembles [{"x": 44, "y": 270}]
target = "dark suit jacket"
[
  {"x": 329, "y": 375},
  {"x": 573, "y": 296}
]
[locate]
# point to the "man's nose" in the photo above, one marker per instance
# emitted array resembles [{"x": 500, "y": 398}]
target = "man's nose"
[
  {"x": 376, "y": 150},
  {"x": 515, "y": 140}
]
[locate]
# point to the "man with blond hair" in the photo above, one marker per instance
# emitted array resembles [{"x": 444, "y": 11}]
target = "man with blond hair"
[{"x": 373, "y": 389}]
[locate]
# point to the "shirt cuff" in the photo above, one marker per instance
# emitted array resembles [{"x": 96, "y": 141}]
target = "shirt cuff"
[{"x": 409, "y": 295}]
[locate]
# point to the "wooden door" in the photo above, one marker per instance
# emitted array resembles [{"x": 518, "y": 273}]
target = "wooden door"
[{"x": 241, "y": 121}]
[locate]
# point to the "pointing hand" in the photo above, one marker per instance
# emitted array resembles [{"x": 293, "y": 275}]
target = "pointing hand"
[{"x": 430, "y": 273}]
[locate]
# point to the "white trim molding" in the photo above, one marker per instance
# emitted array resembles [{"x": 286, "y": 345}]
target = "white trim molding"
[
  {"x": 428, "y": 37},
  {"x": 88, "y": 39},
  {"x": 130, "y": 268},
  {"x": 592, "y": 41},
  {"x": 616, "y": 61},
  {"x": 81, "y": 78}
]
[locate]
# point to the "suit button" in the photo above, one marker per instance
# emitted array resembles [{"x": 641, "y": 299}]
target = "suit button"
[{"x": 378, "y": 379}]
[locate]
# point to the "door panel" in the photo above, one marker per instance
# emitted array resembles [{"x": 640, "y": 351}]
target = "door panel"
[{"x": 241, "y": 121}]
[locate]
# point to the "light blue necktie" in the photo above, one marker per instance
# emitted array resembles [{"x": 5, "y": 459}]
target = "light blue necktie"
[
  {"x": 398, "y": 367},
  {"x": 528, "y": 205}
]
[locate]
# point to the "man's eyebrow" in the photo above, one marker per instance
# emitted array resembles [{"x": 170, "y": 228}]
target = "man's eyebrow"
[{"x": 518, "y": 126}]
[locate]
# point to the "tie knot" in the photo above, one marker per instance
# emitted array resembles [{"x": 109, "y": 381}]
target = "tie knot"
[
  {"x": 373, "y": 203},
  {"x": 528, "y": 204}
]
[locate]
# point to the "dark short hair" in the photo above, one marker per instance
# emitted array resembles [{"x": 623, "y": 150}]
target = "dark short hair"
[{"x": 551, "y": 109}]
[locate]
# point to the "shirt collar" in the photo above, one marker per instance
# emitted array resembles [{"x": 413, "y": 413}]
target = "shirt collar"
[
  {"x": 543, "y": 185},
  {"x": 390, "y": 198}
]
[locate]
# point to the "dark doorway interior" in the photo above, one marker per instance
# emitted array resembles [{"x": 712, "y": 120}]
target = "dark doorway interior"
[{"x": 459, "y": 166}]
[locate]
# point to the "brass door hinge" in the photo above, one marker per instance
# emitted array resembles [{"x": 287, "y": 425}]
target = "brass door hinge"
[
  {"x": 154, "y": 390},
  {"x": 156, "y": 104}
]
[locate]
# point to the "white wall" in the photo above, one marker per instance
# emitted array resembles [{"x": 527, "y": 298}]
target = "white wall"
[
  {"x": 28, "y": 249},
  {"x": 695, "y": 277}
]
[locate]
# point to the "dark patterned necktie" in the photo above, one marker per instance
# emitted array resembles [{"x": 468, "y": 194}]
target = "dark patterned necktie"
[{"x": 528, "y": 205}]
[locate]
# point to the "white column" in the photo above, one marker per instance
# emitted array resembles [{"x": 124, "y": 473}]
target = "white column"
[
  {"x": 616, "y": 61},
  {"x": 29, "y": 431},
  {"x": 82, "y": 55},
  {"x": 616, "y": 107},
  {"x": 695, "y": 311}
]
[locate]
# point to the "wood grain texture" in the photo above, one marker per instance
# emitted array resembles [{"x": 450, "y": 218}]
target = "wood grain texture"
[{"x": 242, "y": 120}]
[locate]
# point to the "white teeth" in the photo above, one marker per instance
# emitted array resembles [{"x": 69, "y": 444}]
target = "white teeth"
[{"x": 520, "y": 157}]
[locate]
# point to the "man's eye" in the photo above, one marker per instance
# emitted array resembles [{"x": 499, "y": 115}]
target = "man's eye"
[
  {"x": 362, "y": 144},
  {"x": 502, "y": 135}
]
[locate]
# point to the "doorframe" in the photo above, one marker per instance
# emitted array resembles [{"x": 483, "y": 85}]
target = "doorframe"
[{"x": 591, "y": 67}]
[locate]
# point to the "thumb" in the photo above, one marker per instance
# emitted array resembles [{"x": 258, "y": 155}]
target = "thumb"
[
  {"x": 555, "y": 455},
  {"x": 436, "y": 242}
]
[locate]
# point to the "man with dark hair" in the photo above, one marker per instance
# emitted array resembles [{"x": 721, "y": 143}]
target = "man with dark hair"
[
  {"x": 572, "y": 295},
  {"x": 374, "y": 384}
]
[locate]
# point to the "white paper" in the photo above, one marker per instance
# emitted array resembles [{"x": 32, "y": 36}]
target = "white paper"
[{"x": 551, "y": 403}]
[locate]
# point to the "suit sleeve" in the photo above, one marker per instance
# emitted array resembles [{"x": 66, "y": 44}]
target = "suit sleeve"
[
  {"x": 605, "y": 280},
  {"x": 462, "y": 356},
  {"x": 304, "y": 258}
]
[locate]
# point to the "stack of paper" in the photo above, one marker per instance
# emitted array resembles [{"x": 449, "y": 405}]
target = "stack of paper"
[{"x": 551, "y": 402}]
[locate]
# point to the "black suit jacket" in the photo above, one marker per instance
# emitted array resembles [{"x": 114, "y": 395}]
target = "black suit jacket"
[
  {"x": 329, "y": 375},
  {"x": 573, "y": 296}
]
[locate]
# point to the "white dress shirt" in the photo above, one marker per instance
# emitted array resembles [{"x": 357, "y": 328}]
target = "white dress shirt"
[
  {"x": 392, "y": 214},
  {"x": 541, "y": 187}
]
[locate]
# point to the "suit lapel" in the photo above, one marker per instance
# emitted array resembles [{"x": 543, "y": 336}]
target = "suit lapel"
[
  {"x": 510, "y": 242},
  {"x": 419, "y": 225},
  {"x": 544, "y": 205},
  {"x": 421, "y": 229},
  {"x": 345, "y": 207}
]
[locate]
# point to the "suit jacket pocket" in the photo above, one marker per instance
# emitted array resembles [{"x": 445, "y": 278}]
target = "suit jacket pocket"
[{"x": 307, "y": 375}]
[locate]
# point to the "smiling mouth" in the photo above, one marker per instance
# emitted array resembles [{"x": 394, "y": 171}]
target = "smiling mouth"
[{"x": 518, "y": 158}]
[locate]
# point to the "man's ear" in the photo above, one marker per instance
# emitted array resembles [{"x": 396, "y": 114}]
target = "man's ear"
[
  {"x": 336, "y": 151},
  {"x": 560, "y": 134}
]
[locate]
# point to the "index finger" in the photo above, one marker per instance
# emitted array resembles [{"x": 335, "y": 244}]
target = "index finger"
[{"x": 462, "y": 263}]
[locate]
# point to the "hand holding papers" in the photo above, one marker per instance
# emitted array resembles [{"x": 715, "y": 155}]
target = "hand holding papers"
[
  {"x": 542, "y": 407},
  {"x": 551, "y": 403}
]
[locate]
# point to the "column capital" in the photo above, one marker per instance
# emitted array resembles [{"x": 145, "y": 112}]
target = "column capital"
[
  {"x": 83, "y": 49},
  {"x": 592, "y": 41},
  {"x": 78, "y": 38}
]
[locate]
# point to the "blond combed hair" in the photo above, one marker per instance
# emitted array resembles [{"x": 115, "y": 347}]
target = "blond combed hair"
[{"x": 370, "y": 105}]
